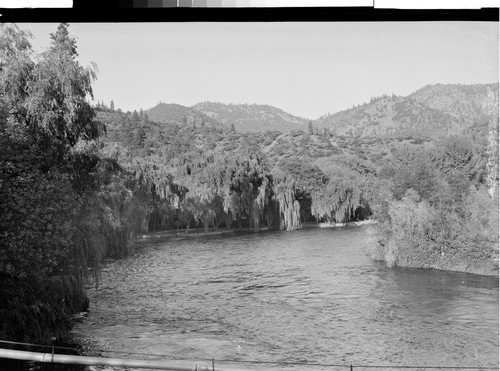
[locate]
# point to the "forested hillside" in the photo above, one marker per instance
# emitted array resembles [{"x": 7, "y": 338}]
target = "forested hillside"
[
  {"x": 433, "y": 111},
  {"x": 252, "y": 117},
  {"x": 175, "y": 113}
]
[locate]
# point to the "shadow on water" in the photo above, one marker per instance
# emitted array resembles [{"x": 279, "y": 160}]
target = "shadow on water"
[{"x": 10, "y": 365}]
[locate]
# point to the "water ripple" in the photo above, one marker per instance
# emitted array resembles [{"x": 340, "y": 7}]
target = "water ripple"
[{"x": 306, "y": 296}]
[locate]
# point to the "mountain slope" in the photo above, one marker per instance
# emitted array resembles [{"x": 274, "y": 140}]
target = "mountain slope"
[
  {"x": 176, "y": 113},
  {"x": 252, "y": 117},
  {"x": 464, "y": 102},
  {"x": 435, "y": 110}
]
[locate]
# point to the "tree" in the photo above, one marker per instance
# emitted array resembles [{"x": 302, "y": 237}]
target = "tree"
[
  {"x": 139, "y": 136},
  {"x": 112, "y": 105},
  {"x": 56, "y": 104},
  {"x": 46, "y": 156},
  {"x": 491, "y": 105},
  {"x": 135, "y": 117},
  {"x": 311, "y": 130},
  {"x": 338, "y": 200},
  {"x": 62, "y": 42},
  {"x": 455, "y": 155},
  {"x": 284, "y": 185},
  {"x": 233, "y": 130},
  {"x": 414, "y": 170}
]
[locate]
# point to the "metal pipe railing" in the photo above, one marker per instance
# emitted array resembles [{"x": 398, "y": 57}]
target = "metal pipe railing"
[
  {"x": 201, "y": 365},
  {"x": 115, "y": 362}
]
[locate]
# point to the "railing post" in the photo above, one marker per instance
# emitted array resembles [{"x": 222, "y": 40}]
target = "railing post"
[
  {"x": 53, "y": 339},
  {"x": 351, "y": 367}
]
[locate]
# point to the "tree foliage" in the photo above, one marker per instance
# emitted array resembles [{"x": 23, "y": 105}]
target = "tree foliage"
[{"x": 62, "y": 204}]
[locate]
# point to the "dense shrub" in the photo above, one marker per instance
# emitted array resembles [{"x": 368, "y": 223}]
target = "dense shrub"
[{"x": 416, "y": 234}]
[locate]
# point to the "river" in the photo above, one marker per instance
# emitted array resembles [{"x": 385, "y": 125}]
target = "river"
[{"x": 311, "y": 295}]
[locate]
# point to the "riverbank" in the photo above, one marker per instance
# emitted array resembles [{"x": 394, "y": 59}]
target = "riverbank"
[
  {"x": 348, "y": 224},
  {"x": 409, "y": 252},
  {"x": 198, "y": 232}
]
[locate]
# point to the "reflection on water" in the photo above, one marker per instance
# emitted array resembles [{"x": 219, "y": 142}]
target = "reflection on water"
[{"x": 307, "y": 296}]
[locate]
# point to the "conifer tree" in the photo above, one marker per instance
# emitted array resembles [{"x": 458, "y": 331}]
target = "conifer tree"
[{"x": 135, "y": 117}]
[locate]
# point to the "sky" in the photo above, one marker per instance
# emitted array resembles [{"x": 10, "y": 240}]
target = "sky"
[{"x": 306, "y": 69}]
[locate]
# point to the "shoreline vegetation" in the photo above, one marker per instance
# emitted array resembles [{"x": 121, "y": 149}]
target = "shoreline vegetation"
[
  {"x": 80, "y": 183},
  {"x": 199, "y": 232}
]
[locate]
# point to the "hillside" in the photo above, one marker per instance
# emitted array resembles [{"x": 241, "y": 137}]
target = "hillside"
[
  {"x": 149, "y": 138},
  {"x": 176, "y": 113},
  {"x": 464, "y": 102},
  {"x": 252, "y": 117},
  {"x": 432, "y": 111},
  {"x": 435, "y": 110}
]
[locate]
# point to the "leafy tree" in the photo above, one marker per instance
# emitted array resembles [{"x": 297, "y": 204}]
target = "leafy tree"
[
  {"x": 456, "y": 155},
  {"x": 45, "y": 118},
  {"x": 414, "y": 170},
  {"x": 491, "y": 105}
]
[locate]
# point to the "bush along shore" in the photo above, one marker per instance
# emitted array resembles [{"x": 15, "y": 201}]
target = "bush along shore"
[
  {"x": 441, "y": 209},
  {"x": 418, "y": 235}
]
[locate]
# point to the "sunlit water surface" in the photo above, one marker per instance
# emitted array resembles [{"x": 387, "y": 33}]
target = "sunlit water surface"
[{"x": 311, "y": 295}]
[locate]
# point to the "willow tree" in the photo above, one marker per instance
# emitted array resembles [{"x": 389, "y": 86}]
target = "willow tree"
[
  {"x": 337, "y": 201},
  {"x": 243, "y": 184},
  {"x": 45, "y": 114},
  {"x": 284, "y": 194}
]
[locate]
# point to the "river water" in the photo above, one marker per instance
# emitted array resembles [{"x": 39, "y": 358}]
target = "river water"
[{"x": 311, "y": 295}]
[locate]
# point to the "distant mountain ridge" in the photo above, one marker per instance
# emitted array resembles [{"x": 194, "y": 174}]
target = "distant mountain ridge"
[
  {"x": 179, "y": 114},
  {"x": 433, "y": 110},
  {"x": 252, "y": 117}
]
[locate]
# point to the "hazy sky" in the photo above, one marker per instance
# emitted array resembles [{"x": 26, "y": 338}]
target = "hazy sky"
[{"x": 307, "y": 69}]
